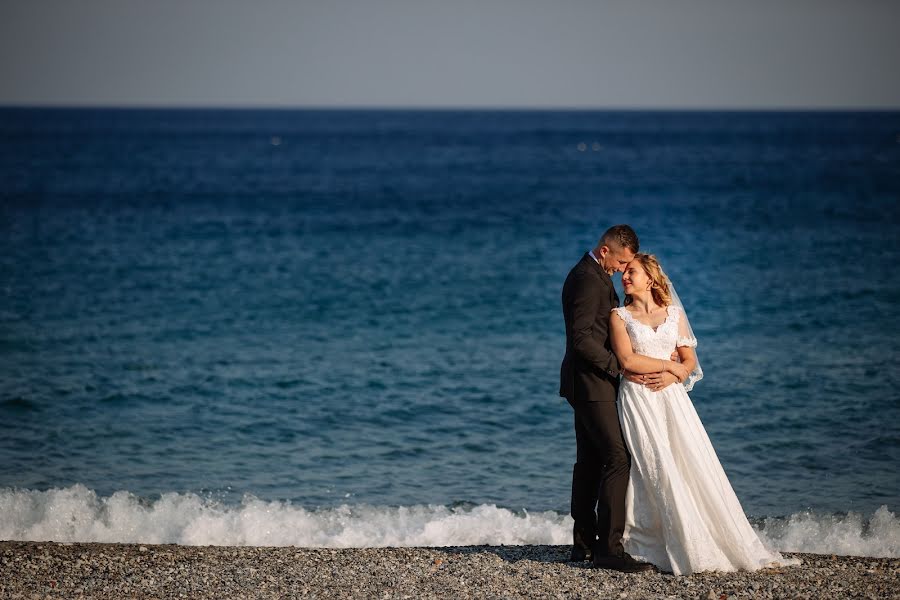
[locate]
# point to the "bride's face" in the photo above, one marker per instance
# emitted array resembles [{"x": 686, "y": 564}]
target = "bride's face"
[{"x": 635, "y": 280}]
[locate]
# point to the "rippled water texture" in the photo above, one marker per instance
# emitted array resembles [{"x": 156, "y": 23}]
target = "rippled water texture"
[{"x": 363, "y": 307}]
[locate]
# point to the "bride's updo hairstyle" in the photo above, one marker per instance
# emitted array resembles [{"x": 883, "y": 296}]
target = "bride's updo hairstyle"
[{"x": 659, "y": 287}]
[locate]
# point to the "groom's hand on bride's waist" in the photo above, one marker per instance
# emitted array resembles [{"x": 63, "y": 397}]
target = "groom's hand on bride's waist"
[
  {"x": 632, "y": 376},
  {"x": 654, "y": 381},
  {"x": 642, "y": 378}
]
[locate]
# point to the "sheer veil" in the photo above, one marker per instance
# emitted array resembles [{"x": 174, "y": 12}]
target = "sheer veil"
[{"x": 686, "y": 335}]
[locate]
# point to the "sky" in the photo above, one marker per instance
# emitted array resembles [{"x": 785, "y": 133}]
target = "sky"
[{"x": 681, "y": 54}]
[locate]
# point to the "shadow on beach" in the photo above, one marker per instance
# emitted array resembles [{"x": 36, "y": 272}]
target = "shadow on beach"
[{"x": 513, "y": 554}]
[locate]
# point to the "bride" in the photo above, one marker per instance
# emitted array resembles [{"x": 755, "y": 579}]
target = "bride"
[{"x": 681, "y": 513}]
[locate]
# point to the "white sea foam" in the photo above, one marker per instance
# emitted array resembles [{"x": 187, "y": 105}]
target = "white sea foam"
[
  {"x": 77, "y": 514},
  {"x": 850, "y": 535}
]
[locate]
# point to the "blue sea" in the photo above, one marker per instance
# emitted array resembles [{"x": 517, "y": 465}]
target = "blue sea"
[{"x": 343, "y": 328}]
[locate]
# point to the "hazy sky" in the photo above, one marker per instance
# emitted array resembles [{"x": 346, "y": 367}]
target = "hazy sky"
[{"x": 447, "y": 53}]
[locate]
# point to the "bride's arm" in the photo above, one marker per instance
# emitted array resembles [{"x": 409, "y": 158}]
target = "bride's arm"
[
  {"x": 685, "y": 346},
  {"x": 638, "y": 363},
  {"x": 688, "y": 358}
]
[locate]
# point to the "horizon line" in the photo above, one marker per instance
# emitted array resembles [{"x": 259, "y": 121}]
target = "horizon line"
[{"x": 449, "y": 108}]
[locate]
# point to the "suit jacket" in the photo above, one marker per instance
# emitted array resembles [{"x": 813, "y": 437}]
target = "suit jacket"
[{"x": 590, "y": 370}]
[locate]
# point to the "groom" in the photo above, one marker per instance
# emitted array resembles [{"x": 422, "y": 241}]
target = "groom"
[{"x": 589, "y": 380}]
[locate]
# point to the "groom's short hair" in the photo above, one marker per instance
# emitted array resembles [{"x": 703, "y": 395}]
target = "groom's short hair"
[{"x": 622, "y": 236}]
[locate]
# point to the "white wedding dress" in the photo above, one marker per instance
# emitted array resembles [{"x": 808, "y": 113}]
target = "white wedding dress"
[{"x": 681, "y": 513}]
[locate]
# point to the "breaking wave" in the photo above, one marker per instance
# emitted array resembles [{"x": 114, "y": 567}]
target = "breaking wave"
[{"x": 78, "y": 514}]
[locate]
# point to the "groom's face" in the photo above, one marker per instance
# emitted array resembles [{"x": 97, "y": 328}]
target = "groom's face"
[{"x": 614, "y": 258}]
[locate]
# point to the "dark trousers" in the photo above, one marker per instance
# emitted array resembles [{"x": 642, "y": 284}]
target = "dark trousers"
[{"x": 600, "y": 477}]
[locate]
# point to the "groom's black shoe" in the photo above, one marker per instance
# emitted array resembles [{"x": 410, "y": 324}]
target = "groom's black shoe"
[
  {"x": 580, "y": 554},
  {"x": 581, "y": 551},
  {"x": 624, "y": 563}
]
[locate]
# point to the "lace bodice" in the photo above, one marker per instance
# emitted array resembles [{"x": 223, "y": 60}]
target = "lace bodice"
[{"x": 659, "y": 342}]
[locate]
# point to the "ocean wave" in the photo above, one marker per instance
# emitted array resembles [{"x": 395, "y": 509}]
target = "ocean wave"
[{"x": 78, "y": 514}]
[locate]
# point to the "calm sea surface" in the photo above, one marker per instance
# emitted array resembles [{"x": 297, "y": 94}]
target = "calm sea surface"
[{"x": 363, "y": 308}]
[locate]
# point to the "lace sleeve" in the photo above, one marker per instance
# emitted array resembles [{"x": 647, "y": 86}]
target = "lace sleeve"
[
  {"x": 622, "y": 312},
  {"x": 684, "y": 333}
]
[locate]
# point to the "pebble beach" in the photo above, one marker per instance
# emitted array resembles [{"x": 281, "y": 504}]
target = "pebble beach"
[{"x": 92, "y": 570}]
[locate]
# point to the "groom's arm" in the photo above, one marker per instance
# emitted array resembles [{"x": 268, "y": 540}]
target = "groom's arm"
[
  {"x": 663, "y": 378},
  {"x": 588, "y": 332}
]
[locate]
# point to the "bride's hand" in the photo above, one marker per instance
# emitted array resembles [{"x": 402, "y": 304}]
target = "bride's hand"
[
  {"x": 665, "y": 380},
  {"x": 678, "y": 370}
]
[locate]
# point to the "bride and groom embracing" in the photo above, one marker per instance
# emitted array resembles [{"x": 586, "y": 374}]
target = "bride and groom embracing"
[{"x": 647, "y": 488}]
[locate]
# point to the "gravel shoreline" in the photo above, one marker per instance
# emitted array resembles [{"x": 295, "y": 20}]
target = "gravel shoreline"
[{"x": 74, "y": 570}]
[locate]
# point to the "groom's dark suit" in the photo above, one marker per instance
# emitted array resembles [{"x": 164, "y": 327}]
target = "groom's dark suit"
[{"x": 589, "y": 380}]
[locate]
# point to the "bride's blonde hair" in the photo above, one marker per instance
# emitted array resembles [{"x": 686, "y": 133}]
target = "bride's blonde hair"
[{"x": 659, "y": 287}]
